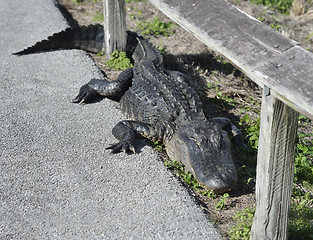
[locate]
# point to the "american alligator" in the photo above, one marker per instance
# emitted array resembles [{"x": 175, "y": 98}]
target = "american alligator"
[{"x": 162, "y": 106}]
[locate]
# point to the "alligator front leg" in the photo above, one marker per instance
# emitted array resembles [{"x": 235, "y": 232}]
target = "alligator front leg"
[
  {"x": 230, "y": 128},
  {"x": 97, "y": 87},
  {"x": 127, "y": 131}
]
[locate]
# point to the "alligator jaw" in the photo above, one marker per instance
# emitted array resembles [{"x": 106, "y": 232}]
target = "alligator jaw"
[{"x": 206, "y": 154}]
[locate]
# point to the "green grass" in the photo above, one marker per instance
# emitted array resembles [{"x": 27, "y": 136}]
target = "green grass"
[
  {"x": 281, "y": 5},
  {"x": 119, "y": 61},
  {"x": 244, "y": 219},
  {"x": 158, "y": 146},
  {"x": 136, "y": 15},
  {"x": 301, "y": 219},
  {"x": 303, "y": 173},
  {"x": 252, "y": 129},
  {"x": 129, "y": 1},
  {"x": 156, "y": 27},
  {"x": 81, "y": 1},
  {"x": 276, "y": 27},
  {"x": 310, "y": 37},
  {"x": 301, "y": 211},
  {"x": 179, "y": 171},
  {"x": 98, "y": 17},
  {"x": 221, "y": 203}
]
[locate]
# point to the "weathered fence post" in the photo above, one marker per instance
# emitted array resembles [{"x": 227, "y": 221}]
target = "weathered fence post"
[
  {"x": 114, "y": 26},
  {"x": 275, "y": 168}
]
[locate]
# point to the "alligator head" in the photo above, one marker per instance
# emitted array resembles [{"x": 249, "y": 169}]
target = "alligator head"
[{"x": 205, "y": 152}]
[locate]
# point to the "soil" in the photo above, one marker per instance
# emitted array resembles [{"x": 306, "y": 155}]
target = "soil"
[{"x": 185, "y": 53}]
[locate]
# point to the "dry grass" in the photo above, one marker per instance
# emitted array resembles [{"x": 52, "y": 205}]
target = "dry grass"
[{"x": 298, "y": 8}]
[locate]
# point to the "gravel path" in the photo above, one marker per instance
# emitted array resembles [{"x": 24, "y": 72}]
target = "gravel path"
[{"x": 57, "y": 181}]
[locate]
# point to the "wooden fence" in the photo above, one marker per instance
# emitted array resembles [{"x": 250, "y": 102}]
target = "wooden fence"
[{"x": 276, "y": 63}]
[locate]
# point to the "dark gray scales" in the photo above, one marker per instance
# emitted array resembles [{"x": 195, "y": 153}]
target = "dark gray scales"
[
  {"x": 88, "y": 38},
  {"x": 159, "y": 105}
]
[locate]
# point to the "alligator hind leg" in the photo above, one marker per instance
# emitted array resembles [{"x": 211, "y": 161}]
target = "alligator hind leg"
[
  {"x": 127, "y": 131},
  {"x": 97, "y": 87},
  {"x": 228, "y": 126}
]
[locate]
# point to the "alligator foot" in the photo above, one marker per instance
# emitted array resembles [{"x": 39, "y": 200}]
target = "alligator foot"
[
  {"x": 86, "y": 95},
  {"x": 101, "y": 87},
  {"x": 122, "y": 146},
  {"x": 126, "y": 136}
]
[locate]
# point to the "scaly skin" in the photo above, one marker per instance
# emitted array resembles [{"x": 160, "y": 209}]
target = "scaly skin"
[
  {"x": 88, "y": 38},
  {"x": 160, "y": 105}
]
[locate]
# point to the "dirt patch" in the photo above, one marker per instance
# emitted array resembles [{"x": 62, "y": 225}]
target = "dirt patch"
[{"x": 211, "y": 75}]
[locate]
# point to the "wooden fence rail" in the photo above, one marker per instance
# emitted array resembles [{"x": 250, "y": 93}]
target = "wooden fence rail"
[{"x": 283, "y": 69}]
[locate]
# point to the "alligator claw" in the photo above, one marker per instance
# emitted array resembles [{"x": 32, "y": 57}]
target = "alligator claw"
[
  {"x": 131, "y": 148},
  {"x": 86, "y": 94},
  {"x": 122, "y": 146}
]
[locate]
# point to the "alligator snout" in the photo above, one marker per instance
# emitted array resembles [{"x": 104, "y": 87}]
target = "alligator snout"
[{"x": 207, "y": 158}]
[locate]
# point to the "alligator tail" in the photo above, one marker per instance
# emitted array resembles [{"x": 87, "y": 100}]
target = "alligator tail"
[{"x": 88, "y": 38}]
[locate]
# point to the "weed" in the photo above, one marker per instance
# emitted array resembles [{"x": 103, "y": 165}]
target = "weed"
[
  {"x": 178, "y": 169},
  {"x": 98, "y": 17},
  {"x": 81, "y": 1},
  {"x": 261, "y": 18},
  {"x": 100, "y": 54},
  {"x": 158, "y": 146},
  {"x": 221, "y": 98},
  {"x": 310, "y": 37},
  {"x": 303, "y": 173},
  {"x": 136, "y": 15},
  {"x": 180, "y": 173},
  {"x": 276, "y": 27},
  {"x": 156, "y": 28},
  {"x": 128, "y": 1},
  {"x": 162, "y": 49},
  {"x": 119, "y": 61},
  {"x": 252, "y": 128},
  {"x": 304, "y": 159},
  {"x": 210, "y": 85},
  {"x": 221, "y": 204},
  {"x": 281, "y": 5},
  {"x": 248, "y": 156},
  {"x": 300, "y": 220},
  {"x": 301, "y": 214},
  {"x": 244, "y": 219}
]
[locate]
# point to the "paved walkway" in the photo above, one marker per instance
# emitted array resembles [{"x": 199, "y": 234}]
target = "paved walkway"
[{"x": 57, "y": 181}]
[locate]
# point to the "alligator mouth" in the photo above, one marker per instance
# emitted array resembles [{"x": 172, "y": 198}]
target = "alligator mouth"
[
  {"x": 220, "y": 184},
  {"x": 216, "y": 173}
]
